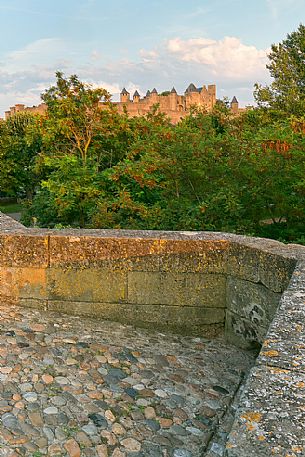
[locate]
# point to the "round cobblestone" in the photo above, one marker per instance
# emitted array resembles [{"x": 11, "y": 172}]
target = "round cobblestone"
[{"x": 78, "y": 387}]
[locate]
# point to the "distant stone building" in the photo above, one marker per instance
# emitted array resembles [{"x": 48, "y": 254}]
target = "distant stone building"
[
  {"x": 234, "y": 106},
  {"x": 173, "y": 105},
  {"x": 40, "y": 109}
]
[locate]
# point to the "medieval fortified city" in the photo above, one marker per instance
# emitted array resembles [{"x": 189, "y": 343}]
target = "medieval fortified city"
[
  {"x": 152, "y": 247},
  {"x": 169, "y": 102}
]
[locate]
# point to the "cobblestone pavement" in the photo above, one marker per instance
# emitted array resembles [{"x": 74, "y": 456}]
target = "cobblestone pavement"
[{"x": 77, "y": 387}]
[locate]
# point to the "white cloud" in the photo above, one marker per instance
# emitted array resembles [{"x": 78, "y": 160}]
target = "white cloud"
[
  {"x": 229, "y": 63},
  {"x": 148, "y": 56},
  {"x": 228, "y": 57},
  {"x": 113, "y": 88}
]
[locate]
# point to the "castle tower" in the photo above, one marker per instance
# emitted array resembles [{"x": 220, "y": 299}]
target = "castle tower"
[
  {"x": 124, "y": 96},
  {"x": 173, "y": 98},
  {"x": 19, "y": 107},
  {"x": 192, "y": 96},
  {"x": 212, "y": 94},
  {"x": 234, "y": 105},
  {"x": 154, "y": 95},
  {"x": 147, "y": 94},
  {"x": 191, "y": 88},
  {"x": 136, "y": 97}
]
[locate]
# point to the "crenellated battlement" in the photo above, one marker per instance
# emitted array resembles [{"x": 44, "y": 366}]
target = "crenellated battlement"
[{"x": 172, "y": 104}]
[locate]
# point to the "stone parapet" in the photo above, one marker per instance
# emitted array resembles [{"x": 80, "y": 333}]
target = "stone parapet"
[
  {"x": 270, "y": 419},
  {"x": 200, "y": 283}
]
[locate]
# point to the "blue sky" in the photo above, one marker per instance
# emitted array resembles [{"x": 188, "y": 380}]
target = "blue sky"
[{"x": 140, "y": 44}]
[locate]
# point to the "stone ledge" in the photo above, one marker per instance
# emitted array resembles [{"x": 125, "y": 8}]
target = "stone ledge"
[
  {"x": 272, "y": 421},
  {"x": 271, "y": 417}
]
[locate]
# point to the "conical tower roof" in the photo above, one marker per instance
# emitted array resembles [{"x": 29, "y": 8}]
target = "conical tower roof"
[
  {"x": 136, "y": 94},
  {"x": 154, "y": 91},
  {"x": 173, "y": 91},
  {"x": 191, "y": 88},
  {"x": 148, "y": 93},
  {"x": 124, "y": 92},
  {"x": 234, "y": 100}
]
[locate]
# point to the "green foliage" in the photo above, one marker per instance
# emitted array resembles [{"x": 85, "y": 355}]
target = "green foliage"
[
  {"x": 286, "y": 65},
  {"x": 92, "y": 167},
  {"x": 74, "y": 114},
  {"x": 9, "y": 208},
  {"x": 17, "y": 154}
]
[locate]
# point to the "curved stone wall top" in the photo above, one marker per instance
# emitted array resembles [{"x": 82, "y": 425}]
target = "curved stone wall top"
[
  {"x": 7, "y": 224},
  {"x": 263, "y": 244}
]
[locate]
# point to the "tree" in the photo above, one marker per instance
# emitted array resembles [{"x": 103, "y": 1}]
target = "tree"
[
  {"x": 82, "y": 135},
  {"x": 17, "y": 154},
  {"x": 287, "y": 68},
  {"x": 74, "y": 113}
]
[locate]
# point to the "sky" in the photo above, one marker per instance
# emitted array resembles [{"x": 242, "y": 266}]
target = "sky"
[{"x": 140, "y": 44}]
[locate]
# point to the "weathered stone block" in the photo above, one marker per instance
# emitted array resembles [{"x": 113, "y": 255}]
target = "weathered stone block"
[
  {"x": 252, "y": 301},
  {"x": 32, "y": 283},
  {"x": 243, "y": 332},
  {"x": 92, "y": 250},
  {"x": 145, "y": 288},
  {"x": 258, "y": 265},
  {"x": 177, "y": 289},
  {"x": 23, "y": 282},
  {"x": 9, "y": 287},
  {"x": 271, "y": 419},
  {"x": 186, "y": 320},
  {"x": 23, "y": 250},
  {"x": 198, "y": 256},
  {"x": 284, "y": 346},
  {"x": 275, "y": 271},
  {"x": 243, "y": 262},
  {"x": 87, "y": 285}
]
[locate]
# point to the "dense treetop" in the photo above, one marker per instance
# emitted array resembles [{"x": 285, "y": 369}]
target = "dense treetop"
[{"x": 287, "y": 68}]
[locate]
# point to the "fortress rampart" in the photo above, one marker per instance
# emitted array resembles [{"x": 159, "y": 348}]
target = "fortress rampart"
[
  {"x": 191, "y": 282},
  {"x": 170, "y": 103},
  {"x": 174, "y": 105}
]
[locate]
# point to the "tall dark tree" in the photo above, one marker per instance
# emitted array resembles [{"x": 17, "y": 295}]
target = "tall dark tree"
[{"x": 287, "y": 68}]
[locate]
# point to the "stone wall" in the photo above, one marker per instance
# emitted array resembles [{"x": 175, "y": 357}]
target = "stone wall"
[
  {"x": 270, "y": 419},
  {"x": 190, "y": 282},
  {"x": 135, "y": 278}
]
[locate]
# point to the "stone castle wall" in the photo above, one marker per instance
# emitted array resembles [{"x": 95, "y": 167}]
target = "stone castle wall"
[{"x": 173, "y": 105}]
